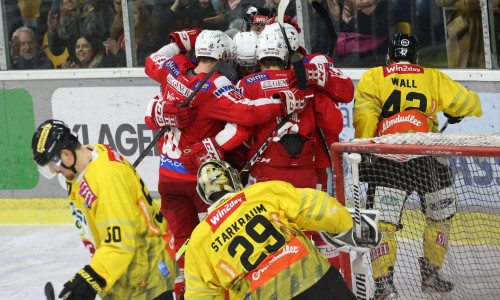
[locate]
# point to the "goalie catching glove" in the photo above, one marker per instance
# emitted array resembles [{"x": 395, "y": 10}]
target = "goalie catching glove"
[
  {"x": 370, "y": 237},
  {"x": 293, "y": 101},
  {"x": 185, "y": 39},
  {"x": 198, "y": 153},
  {"x": 85, "y": 285}
]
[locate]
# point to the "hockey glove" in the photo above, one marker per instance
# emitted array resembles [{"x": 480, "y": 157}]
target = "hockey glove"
[
  {"x": 293, "y": 101},
  {"x": 370, "y": 237},
  {"x": 185, "y": 39},
  {"x": 198, "y": 153},
  {"x": 316, "y": 74},
  {"x": 453, "y": 120},
  {"x": 85, "y": 285},
  {"x": 172, "y": 115}
]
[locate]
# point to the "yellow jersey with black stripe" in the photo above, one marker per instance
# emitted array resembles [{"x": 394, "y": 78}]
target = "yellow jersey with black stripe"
[
  {"x": 252, "y": 244},
  {"x": 130, "y": 243},
  {"x": 383, "y": 92}
]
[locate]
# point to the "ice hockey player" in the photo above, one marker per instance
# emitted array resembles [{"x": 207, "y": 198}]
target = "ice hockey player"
[
  {"x": 217, "y": 102},
  {"x": 255, "y": 19},
  {"x": 405, "y": 97},
  {"x": 252, "y": 244},
  {"x": 117, "y": 220},
  {"x": 244, "y": 53}
]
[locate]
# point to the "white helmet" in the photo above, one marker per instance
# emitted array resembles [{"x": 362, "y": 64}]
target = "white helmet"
[
  {"x": 216, "y": 176},
  {"x": 271, "y": 45},
  {"x": 212, "y": 43},
  {"x": 291, "y": 33},
  {"x": 245, "y": 48}
]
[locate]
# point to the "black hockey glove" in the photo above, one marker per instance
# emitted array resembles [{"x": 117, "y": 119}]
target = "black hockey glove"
[
  {"x": 453, "y": 120},
  {"x": 83, "y": 286}
]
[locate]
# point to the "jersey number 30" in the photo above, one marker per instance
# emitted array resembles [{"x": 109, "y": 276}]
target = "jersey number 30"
[{"x": 265, "y": 231}]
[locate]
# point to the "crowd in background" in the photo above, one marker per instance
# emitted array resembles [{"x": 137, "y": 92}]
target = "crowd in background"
[{"x": 90, "y": 33}]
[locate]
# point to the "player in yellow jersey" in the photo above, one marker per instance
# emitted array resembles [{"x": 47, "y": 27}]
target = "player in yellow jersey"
[
  {"x": 118, "y": 222},
  {"x": 252, "y": 244},
  {"x": 405, "y": 97}
]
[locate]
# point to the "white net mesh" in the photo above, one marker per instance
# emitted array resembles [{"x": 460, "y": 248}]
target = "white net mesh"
[{"x": 472, "y": 254}]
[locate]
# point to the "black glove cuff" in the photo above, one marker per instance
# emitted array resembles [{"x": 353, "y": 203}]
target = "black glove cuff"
[
  {"x": 453, "y": 120},
  {"x": 96, "y": 277}
]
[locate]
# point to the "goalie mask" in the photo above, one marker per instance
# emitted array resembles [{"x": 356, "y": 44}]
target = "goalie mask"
[
  {"x": 403, "y": 47},
  {"x": 48, "y": 140},
  {"x": 215, "y": 179}
]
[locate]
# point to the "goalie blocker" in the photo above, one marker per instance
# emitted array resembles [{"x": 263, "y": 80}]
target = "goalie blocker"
[{"x": 370, "y": 236}]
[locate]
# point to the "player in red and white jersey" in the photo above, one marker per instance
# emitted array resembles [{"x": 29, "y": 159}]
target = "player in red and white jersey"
[{"x": 290, "y": 157}]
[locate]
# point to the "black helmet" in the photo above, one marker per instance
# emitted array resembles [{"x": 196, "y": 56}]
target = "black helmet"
[
  {"x": 255, "y": 15},
  {"x": 403, "y": 46},
  {"x": 50, "y": 138}
]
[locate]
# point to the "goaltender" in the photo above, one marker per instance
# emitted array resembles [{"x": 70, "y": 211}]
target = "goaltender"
[{"x": 252, "y": 244}]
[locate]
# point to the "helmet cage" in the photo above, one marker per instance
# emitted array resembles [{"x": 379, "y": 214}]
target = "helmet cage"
[{"x": 216, "y": 176}]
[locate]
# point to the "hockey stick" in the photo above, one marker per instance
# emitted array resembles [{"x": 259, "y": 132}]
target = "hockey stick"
[
  {"x": 49, "y": 291},
  {"x": 297, "y": 62},
  {"x": 359, "y": 268},
  {"x": 323, "y": 13},
  {"x": 263, "y": 147},
  {"x": 444, "y": 126},
  {"x": 220, "y": 66}
]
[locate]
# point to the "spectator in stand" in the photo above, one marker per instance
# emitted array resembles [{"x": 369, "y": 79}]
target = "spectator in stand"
[
  {"x": 116, "y": 29},
  {"x": 291, "y": 9},
  {"x": 89, "y": 53},
  {"x": 146, "y": 36},
  {"x": 182, "y": 14},
  {"x": 25, "y": 53},
  {"x": 77, "y": 17}
]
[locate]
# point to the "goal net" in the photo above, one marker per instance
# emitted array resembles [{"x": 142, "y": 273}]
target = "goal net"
[{"x": 458, "y": 178}]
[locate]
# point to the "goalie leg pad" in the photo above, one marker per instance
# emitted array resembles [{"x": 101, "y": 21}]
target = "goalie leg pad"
[
  {"x": 390, "y": 202},
  {"x": 383, "y": 257},
  {"x": 440, "y": 205},
  {"x": 435, "y": 241}
]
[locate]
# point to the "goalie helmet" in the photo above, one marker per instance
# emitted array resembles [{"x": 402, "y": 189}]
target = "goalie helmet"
[
  {"x": 48, "y": 140},
  {"x": 255, "y": 16},
  {"x": 291, "y": 33},
  {"x": 245, "y": 49},
  {"x": 216, "y": 176},
  {"x": 212, "y": 43},
  {"x": 403, "y": 47},
  {"x": 271, "y": 45}
]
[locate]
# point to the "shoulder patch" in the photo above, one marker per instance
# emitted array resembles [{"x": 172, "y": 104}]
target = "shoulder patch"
[
  {"x": 256, "y": 78},
  {"x": 172, "y": 67},
  {"x": 87, "y": 194}
]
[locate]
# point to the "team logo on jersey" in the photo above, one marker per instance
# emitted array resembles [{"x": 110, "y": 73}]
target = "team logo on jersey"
[
  {"x": 256, "y": 78},
  {"x": 172, "y": 67},
  {"x": 276, "y": 262},
  {"x": 86, "y": 193},
  {"x": 205, "y": 86},
  {"x": 381, "y": 250},
  {"x": 224, "y": 89},
  {"x": 113, "y": 155},
  {"x": 218, "y": 216},
  {"x": 269, "y": 84},
  {"x": 402, "y": 69}
]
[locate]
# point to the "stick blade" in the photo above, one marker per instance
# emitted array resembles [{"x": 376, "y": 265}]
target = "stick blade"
[
  {"x": 281, "y": 11},
  {"x": 49, "y": 291}
]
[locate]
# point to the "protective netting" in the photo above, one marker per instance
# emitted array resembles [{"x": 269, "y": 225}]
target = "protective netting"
[{"x": 461, "y": 201}]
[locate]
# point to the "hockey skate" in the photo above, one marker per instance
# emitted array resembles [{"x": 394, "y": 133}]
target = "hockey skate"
[
  {"x": 431, "y": 281},
  {"x": 384, "y": 287}
]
